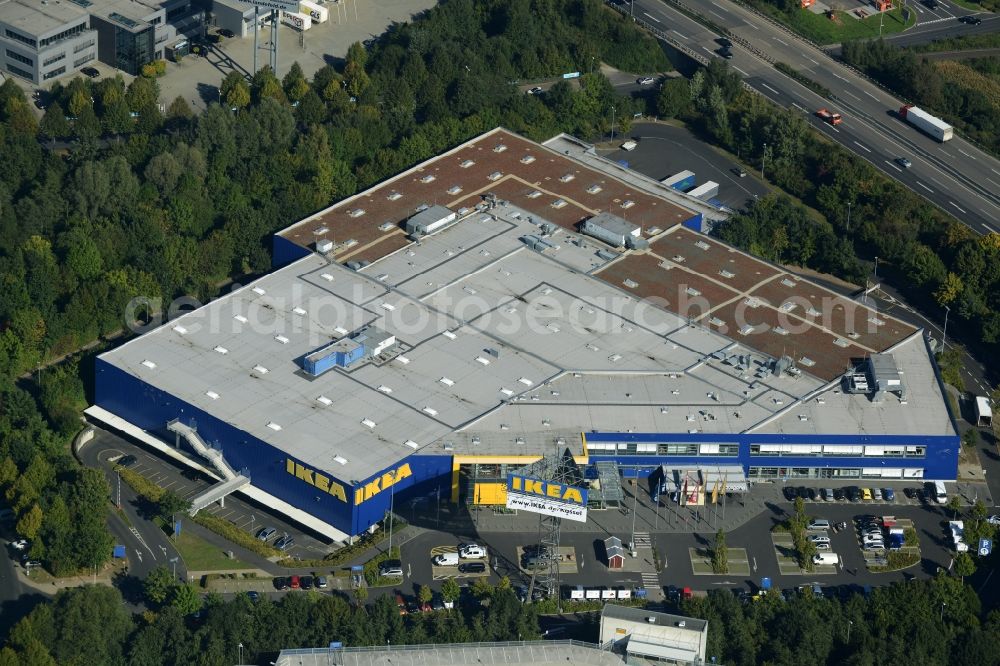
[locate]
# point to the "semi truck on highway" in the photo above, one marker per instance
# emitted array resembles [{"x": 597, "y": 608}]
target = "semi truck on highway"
[
  {"x": 925, "y": 122},
  {"x": 830, "y": 117}
]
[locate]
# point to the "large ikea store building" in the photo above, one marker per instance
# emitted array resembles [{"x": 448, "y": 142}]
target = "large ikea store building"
[{"x": 459, "y": 320}]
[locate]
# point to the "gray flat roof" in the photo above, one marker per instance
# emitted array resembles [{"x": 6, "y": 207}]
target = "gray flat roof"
[
  {"x": 652, "y": 618},
  {"x": 529, "y": 653},
  {"x": 36, "y": 19},
  {"x": 503, "y": 350}
]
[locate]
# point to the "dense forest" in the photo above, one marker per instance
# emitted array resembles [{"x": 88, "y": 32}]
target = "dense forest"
[
  {"x": 105, "y": 198},
  {"x": 926, "y": 254},
  {"x": 966, "y": 93},
  {"x": 936, "y": 621}
]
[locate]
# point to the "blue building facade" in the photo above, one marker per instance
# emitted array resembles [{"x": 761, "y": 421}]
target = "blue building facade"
[
  {"x": 350, "y": 505},
  {"x": 776, "y": 457}
]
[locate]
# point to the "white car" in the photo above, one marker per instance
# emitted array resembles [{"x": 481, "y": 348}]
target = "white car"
[
  {"x": 819, "y": 538},
  {"x": 535, "y": 91},
  {"x": 471, "y": 551},
  {"x": 20, "y": 544},
  {"x": 993, "y": 520},
  {"x": 646, "y": 81}
]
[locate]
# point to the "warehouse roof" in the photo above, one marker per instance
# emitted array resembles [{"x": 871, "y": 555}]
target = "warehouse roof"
[{"x": 504, "y": 349}]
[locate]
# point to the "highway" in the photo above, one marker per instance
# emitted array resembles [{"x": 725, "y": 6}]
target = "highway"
[{"x": 956, "y": 176}]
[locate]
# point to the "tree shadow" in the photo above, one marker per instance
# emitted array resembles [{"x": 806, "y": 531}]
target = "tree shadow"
[
  {"x": 208, "y": 93},
  {"x": 12, "y": 610}
]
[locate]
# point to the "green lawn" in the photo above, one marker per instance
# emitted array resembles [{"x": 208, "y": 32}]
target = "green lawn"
[
  {"x": 199, "y": 555},
  {"x": 823, "y": 30}
]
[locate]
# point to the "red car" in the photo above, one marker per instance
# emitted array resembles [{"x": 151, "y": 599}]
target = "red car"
[{"x": 295, "y": 583}]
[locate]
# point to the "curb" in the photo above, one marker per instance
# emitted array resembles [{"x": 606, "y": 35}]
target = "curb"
[{"x": 82, "y": 438}]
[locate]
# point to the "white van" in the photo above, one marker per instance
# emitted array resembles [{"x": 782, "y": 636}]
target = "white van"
[
  {"x": 629, "y": 145},
  {"x": 825, "y": 558},
  {"x": 819, "y": 524},
  {"x": 940, "y": 494},
  {"x": 446, "y": 560}
]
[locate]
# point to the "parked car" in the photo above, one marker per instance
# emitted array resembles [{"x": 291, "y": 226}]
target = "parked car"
[
  {"x": 853, "y": 493},
  {"x": 127, "y": 461},
  {"x": 20, "y": 544},
  {"x": 391, "y": 568},
  {"x": 471, "y": 551},
  {"x": 911, "y": 493},
  {"x": 888, "y": 494},
  {"x": 280, "y": 583},
  {"x": 321, "y": 582},
  {"x": 790, "y": 493},
  {"x": 819, "y": 524},
  {"x": 295, "y": 582},
  {"x": 819, "y": 538},
  {"x": 877, "y": 494},
  {"x": 254, "y": 596},
  {"x": 90, "y": 72},
  {"x": 401, "y": 604},
  {"x": 646, "y": 81},
  {"x": 227, "y": 33},
  {"x": 266, "y": 533},
  {"x": 874, "y": 545},
  {"x": 866, "y": 494},
  {"x": 284, "y": 543},
  {"x": 993, "y": 520},
  {"x": 535, "y": 91},
  {"x": 306, "y": 582},
  {"x": 472, "y": 567},
  {"x": 827, "y": 494},
  {"x": 839, "y": 494},
  {"x": 822, "y": 546}
]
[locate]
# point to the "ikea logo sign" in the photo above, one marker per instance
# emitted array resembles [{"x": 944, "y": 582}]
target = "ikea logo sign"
[
  {"x": 365, "y": 492},
  {"x": 526, "y": 485}
]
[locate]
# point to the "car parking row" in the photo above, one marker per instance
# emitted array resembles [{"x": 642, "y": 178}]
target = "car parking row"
[{"x": 849, "y": 493}]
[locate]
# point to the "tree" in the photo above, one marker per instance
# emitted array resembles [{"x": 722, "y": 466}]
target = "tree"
[
  {"x": 117, "y": 119},
  {"x": 238, "y": 96},
  {"x": 179, "y": 109},
  {"x": 954, "y": 504},
  {"x": 54, "y": 124},
  {"x": 185, "y": 599},
  {"x": 158, "y": 585},
  {"x": 970, "y": 437},
  {"x": 674, "y": 97},
  {"x": 361, "y": 595},
  {"x": 142, "y": 93},
  {"x": 171, "y": 504},
  {"x": 450, "y": 591},
  {"x": 720, "y": 555},
  {"x": 964, "y": 565},
  {"x": 30, "y": 523},
  {"x": 425, "y": 594}
]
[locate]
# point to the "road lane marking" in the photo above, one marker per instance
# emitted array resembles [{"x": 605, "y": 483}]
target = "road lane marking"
[
  {"x": 994, "y": 182},
  {"x": 839, "y": 76},
  {"x": 894, "y": 166},
  {"x": 871, "y": 95},
  {"x": 831, "y": 128},
  {"x": 169, "y": 484},
  {"x": 925, "y": 187},
  {"x": 771, "y": 89},
  {"x": 863, "y": 147},
  {"x": 778, "y": 39},
  {"x": 957, "y": 206},
  {"x": 752, "y": 25},
  {"x": 853, "y": 95},
  {"x": 796, "y": 105},
  {"x": 948, "y": 154},
  {"x": 682, "y": 36},
  {"x": 995, "y": 171},
  {"x": 740, "y": 71},
  {"x": 966, "y": 154},
  {"x": 988, "y": 230},
  {"x": 811, "y": 60},
  {"x": 651, "y": 16},
  {"x": 712, "y": 11}
]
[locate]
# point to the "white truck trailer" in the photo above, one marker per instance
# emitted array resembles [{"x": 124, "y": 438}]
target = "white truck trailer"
[
  {"x": 926, "y": 123},
  {"x": 317, "y": 13},
  {"x": 297, "y": 20}
]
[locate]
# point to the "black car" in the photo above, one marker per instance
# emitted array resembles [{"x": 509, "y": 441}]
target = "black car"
[
  {"x": 472, "y": 567},
  {"x": 853, "y": 493},
  {"x": 228, "y": 34},
  {"x": 839, "y": 494},
  {"x": 90, "y": 71},
  {"x": 726, "y": 53},
  {"x": 810, "y": 493},
  {"x": 281, "y": 583},
  {"x": 790, "y": 493},
  {"x": 724, "y": 43},
  {"x": 673, "y": 594},
  {"x": 306, "y": 582},
  {"x": 254, "y": 596},
  {"x": 127, "y": 461},
  {"x": 910, "y": 493},
  {"x": 971, "y": 20},
  {"x": 803, "y": 492}
]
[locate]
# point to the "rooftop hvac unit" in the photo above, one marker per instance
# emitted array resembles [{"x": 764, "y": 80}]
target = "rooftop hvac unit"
[{"x": 324, "y": 245}]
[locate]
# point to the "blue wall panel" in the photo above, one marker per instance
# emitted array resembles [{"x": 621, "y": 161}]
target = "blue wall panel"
[{"x": 285, "y": 251}]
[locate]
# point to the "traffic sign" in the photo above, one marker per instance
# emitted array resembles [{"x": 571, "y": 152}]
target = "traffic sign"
[{"x": 985, "y": 547}]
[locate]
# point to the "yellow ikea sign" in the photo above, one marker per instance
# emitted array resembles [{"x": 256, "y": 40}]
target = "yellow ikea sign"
[
  {"x": 380, "y": 483},
  {"x": 549, "y": 489},
  {"x": 315, "y": 479},
  {"x": 328, "y": 485}
]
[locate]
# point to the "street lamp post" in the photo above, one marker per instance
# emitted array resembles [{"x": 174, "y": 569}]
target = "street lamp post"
[
  {"x": 943, "y": 604},
  {"x": 173, "y": 560},
  {"x": 241, "y": 652},
  {"x": 850, "y": 624},
  {"x": 612, "y": 123},
  {"x": 763, "y": 159},
  {"x": 253, "y": 523},
  {"x": 848, "y": 217},
  {"x": 944, "y": 341},
  {"x": 876, "y": 269}
]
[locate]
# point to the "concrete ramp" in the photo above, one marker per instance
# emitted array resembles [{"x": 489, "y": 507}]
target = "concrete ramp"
[
  {"x": 210, "y": 454},
  {"x": 218, "y": 493}
]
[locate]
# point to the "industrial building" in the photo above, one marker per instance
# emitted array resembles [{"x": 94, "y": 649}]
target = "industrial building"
[
  {"x": 431, "y": 366},
  {"x": 44, "y": 40}
]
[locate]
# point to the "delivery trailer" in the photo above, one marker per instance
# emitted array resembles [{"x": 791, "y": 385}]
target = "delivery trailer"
[
  {"x": 926, "y": 123},
  {"x": 705, "y": 191},
  {"x": 984, "y": 414},
  {"x": 682, "y": 181},
  {"x": 297, "y": 20},
  {"x": 317, "y": 13}
]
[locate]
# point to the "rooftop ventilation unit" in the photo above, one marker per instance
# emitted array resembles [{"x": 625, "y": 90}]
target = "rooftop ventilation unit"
[
  {"x": 324, "y": 245},
  {"x": 212, "y": 394},
  {"x": 180, "y": 329},
  {"x": 149, "y": 364},
  {"x": 240, "y": 318}
]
